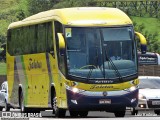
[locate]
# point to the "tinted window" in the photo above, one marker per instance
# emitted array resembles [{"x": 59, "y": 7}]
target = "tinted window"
[{"x": 31, "y": 39}]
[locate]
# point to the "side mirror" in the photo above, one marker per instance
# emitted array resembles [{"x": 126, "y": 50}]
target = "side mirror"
[
  {"x": 61, "y": 44},
  {"x": 142, "y": 41}
]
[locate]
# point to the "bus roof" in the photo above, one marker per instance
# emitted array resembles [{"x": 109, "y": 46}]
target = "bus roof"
[{"x": 78, "y": 16}]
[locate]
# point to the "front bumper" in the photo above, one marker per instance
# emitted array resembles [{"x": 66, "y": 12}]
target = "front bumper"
[
  {"x": 91, "y": 101},
  {"x": 144, "y": 104}
]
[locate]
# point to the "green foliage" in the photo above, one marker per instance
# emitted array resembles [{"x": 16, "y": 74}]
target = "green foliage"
[
  {"x": 2, "y": 39},
  {"x": 149, "y": 27},
  {"x": 22, "y": 10},
  {"x": 35, "y": 6},
  {"x": 2, "y": 68},
  {"x": 75, "y": 3}
]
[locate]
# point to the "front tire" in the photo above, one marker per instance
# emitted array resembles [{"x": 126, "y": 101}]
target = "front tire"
[
  {"x": 157, "y": 112},
  {"x": 120, "y": 113},
  {"x": 83, "y": 114},
  {"x": 73, "y": 114},
  {"x": 59, "y": 112}
]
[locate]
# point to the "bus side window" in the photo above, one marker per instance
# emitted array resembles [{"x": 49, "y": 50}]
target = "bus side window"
[
  {"x": 58, "y": 29},
  {"x": 41, "y": 38},
  {"x": 26, "y": 41},
  {"x": 9, "y": 38},
  {"x": 32, "y": 39},
  {"x": 61, "y": 63},
  {"x": 49, "y": 39}
]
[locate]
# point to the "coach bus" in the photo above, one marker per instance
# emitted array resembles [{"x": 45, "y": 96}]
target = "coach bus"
[{"x": 77, "y": 59}]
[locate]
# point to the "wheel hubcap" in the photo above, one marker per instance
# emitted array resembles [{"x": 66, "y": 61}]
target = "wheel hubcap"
[{"x": 55, "y": 103}]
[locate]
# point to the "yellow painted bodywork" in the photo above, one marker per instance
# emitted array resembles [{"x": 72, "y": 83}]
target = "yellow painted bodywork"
[
  {"x": 36, "y": 81},
  {"x": 103, "y": 87},
  {"x": 142, "y": 38},
  {"x": 80, "y": 16}
]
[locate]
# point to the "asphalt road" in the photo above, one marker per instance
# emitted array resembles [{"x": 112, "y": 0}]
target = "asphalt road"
[{"x": 142, "y": 115}]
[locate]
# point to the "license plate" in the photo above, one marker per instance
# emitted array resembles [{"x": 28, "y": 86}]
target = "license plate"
[
  {"x": 105, "y": 101},
  {"x": 155, "y": 102}
]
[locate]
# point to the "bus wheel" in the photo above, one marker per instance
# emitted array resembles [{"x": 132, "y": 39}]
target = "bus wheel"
[
  {"x": 73, "y": 114},
  {"x": 22, "y": 107},
  {"x": 83, "y": 113},
  {"x": 59, "y": 112},
  {"x": 157, "y": 112},
  {"x": 120, "y": 113}
]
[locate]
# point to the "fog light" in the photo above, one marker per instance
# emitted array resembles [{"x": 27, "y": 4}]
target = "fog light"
[{"x": 142, "y": 106}]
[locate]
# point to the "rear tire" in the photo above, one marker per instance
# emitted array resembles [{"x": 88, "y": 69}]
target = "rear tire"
[
  {"x": 22, "y": 107},
  {"x": 157, "y": 112}
]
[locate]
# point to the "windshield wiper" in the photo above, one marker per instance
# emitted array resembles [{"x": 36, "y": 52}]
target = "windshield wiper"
[
  {"x": 113, "y": 66},
  {"x": 96, "y": 59}
]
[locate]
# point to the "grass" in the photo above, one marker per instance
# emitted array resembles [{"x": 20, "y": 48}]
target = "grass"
[
  {"x": 2, "y": 68},
  {"x": 8, "y": 13},
  {"x": 152, "y": 25}
]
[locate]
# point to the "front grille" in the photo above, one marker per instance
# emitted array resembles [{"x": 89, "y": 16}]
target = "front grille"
[{"x": 151, "y": 105}]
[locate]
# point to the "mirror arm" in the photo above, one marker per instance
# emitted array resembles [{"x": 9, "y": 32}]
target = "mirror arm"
[
  {"x": 142, "y": 41},
  {"x": 61, "y": 43}
]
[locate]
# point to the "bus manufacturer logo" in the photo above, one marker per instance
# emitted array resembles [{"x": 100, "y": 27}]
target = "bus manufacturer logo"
[
  {"x": 105, "y": 93},
  {"x": 100, "y": 86}
]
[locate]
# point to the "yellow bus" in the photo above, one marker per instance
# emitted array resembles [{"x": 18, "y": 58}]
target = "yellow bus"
[{"x": 78, "y": 59}]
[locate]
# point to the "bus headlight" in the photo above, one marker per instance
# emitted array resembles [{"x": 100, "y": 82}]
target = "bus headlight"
[
  {"x": 75, "y": 90},
  {"x": 133, "y": 88}
]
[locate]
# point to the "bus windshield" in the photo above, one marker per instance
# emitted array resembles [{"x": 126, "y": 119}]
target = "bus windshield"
[{"x": 98, "y": 53}]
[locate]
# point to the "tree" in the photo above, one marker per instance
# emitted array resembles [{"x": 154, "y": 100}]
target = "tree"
[
  {"x": 35, "y": 6},
  {"x": 75, "y": 3}
]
